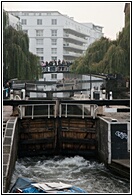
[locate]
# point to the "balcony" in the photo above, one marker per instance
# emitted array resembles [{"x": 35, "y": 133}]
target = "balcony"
[
  {"x": 73, "y": 46},
  {"x": 72, "y": 54},
  {"x": 74, "y": 38},
  {"x": 76, "y": 31}
]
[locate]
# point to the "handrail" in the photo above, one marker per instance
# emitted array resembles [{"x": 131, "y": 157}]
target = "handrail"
[
  {"x": 125, "y": 102},
  {"x": 32, "y": 115},
  {"x": 59, "y": 68},
  {"x": 83, "y": 106},
  {"x": 99, "y": 102},
  {"x": 48, "y": 113}
]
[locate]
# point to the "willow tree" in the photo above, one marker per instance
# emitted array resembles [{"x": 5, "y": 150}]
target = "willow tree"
[
  {"x": 94, "y": 54},
  {"x": 107, "y": 56},
  {"x": 112, "y": 61},
  {"x": 18, "y": 61},
  {"x": 5, "y": 53},
  {"x": 124, "y": 43},
  {"x": 78, "y": 67},
  {"x": 34, "y": 66}
]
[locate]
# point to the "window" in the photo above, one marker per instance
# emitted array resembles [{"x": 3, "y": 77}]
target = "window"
[
  {"x": 24, "y": 22},
  {"x": 39, "y": 33},
  {"x": 31, "y": 14},
  {"x": 41, "y": 58},
  {"x": 53, "y": 76},
  {"x": 54, "y": 21},
  {"x": 39, "y": 41},
  {"x": 39, "y": 50},
  {"x": 25, "y": 14},
  {"x": 53, "y": 42},
  {"x": 54, "y": 50},
  {"x": 25, "y": 31},
  {"x": 53, "y": 32},
  {"x": 37, "y": 14},
  {"x": 39, "y": 21},
  {"x": 54, "y": 58}
]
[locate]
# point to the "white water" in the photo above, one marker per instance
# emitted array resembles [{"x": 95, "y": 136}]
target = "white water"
[{"x": 88, "y": 175}]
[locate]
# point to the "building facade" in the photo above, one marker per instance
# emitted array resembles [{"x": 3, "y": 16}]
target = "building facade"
[
  {"x": 14, "y": 22},
  {"x": 54, "y": 36}
]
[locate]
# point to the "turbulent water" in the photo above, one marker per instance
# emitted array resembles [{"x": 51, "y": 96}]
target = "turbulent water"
[{"x": 88, "y": 175}]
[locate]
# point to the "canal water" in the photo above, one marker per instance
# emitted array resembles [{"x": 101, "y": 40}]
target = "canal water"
[
  {"x": 67, "y": 81},
  {"x": 89, "y": 175}
]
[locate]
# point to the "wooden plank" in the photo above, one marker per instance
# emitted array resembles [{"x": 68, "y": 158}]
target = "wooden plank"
[
  {"x": 37, "y": 141},
  {"x": 73, "y": 129},
  {"x": 77, "y": 141}
]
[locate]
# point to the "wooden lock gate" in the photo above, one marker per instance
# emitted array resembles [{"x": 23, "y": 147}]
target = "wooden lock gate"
[{"x": 57, "y": 136}]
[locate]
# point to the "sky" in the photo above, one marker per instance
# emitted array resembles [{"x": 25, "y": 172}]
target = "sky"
[{"x": 109, "y": 15}]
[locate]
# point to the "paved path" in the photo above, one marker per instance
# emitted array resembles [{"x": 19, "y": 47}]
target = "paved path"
[{"x": 7, "y": 111}]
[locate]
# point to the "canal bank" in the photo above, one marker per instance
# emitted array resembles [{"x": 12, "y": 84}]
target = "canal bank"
[{"x": 114, "y": 142}]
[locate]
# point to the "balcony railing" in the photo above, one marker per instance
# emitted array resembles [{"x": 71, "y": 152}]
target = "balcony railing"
[
  {"x": 75, "y": 46},
  {"x": 73, "y": 54},
  {"x": 73, "y": 37}
]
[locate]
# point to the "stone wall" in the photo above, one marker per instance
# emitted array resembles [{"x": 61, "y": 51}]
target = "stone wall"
[
  {"x": 10, "y": 144},
  {"x": 102, "y": 137}
]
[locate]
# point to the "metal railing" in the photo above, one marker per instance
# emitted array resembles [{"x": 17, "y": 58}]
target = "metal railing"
[
  {"x": 37, "y": 110},
  {"x": 58, "y": 68},
  {"x": 85, "y": 109},
  {"x": 50, "y": 110}
]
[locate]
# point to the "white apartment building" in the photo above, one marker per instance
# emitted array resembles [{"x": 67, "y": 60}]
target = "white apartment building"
[
  {"x": 53, "y": 36},
  {"x": 14, "y": 22}
]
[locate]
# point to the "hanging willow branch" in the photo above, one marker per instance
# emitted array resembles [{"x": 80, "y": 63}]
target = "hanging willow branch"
[
  {"x": 106, "y": 56},
  {"x": 18, "y": 61}
]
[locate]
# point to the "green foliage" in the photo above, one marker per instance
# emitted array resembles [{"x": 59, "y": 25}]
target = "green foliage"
[
  {"x": 124, "y": 43},
  {"x": 106, "y": 56},
  {"x": 5, "y": 20},
  {"x": 93, "y": 56},
  {"x": 79, "y": 69},
  {"x": 18, "y": 61}
]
